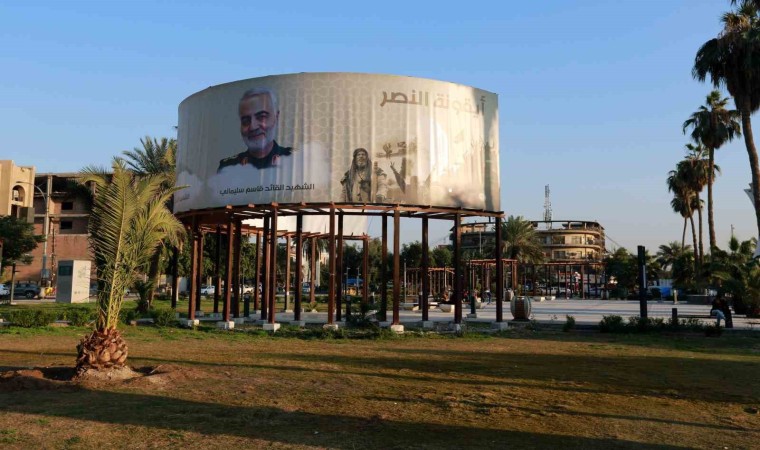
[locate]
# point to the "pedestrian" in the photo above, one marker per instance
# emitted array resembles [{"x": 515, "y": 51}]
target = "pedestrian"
[{"x": 717, "y": 309}]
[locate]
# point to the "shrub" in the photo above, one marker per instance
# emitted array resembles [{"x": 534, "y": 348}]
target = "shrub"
[
  {"x": 78, "y": 317},
  {"x": 611, "y": 324},
  {"x": 569, "y": 323},
  {"x": 128, "y": 315},
  {"x": 360, "y": 319},
  {"x": 163, "y": 317},
  {"x": 29, "y": 318}
]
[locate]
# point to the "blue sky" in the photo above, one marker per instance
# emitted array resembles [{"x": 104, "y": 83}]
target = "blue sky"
[{"x": 592, "y": 94}]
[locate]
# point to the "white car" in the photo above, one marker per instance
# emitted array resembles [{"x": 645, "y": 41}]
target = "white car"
[
  {"x": 208, "y": 290},
  {"x": 4, "y": 290}
]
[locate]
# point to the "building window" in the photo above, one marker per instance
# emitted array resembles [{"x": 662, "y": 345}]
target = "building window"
[
  {"x": 67, "y": 225},
  {"x": 67, "y": 206},
  {"x": 577, "y": 239}
]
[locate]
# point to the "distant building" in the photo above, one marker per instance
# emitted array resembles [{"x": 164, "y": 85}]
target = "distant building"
[
  {"x": 16, "y": 189},
  {"x": 571, "y": 240},
  {"x": 67, "y": 205}
]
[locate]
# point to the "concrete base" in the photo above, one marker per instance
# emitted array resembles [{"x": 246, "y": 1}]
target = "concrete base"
[
  {"x": 472, "y": 315},
  {"x": 254, "y": 315},
  {"x": 399, "y": 329},
  {"x": 446, "y": 308},
  {"x": 427, "y": 324},
  {"x": 225, "y": 325},
  {"x": 239, "y": 320},
  {"x": 298, "y": 323},
  {"x": 192, "y": 323},
  {"x": 500, "y": 326},
  {"x": 330, "y": 326},
  {"x": 271, "y": 327},
  {"x": 457, "y": 327}
]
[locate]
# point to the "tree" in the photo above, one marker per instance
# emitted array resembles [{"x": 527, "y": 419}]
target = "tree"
[
  {"x": 521, "y": 241},
  {"x": 668, "y": 253},
  {"x": 730, "y": 60},
  {"x": 18, "y": 240},
  {"x": 411, "y": 254},
  {"x": 623, "y": 267},
  {"x": 738, "y": 274},
  {"x": 128, "y": 223},
  {"x": 155, "y": 158},
  {"x": 713, "y": 125},
  {"x": 441, "y": 257}
]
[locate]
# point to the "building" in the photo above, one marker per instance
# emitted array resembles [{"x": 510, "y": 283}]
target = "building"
[
  {"x": 571, "y": 240},
  {"x": 63, "y": 204},
  {"x": 16, "y": 189}
]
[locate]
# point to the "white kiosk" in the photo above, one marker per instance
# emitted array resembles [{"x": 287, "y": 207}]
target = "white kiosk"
[{"x": 73, "y": 284}]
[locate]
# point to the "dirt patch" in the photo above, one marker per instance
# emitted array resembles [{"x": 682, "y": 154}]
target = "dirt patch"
[{"x": 48, "y": 378}]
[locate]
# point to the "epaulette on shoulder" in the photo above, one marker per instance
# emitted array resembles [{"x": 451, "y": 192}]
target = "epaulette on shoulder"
[{"x": 231, "y": 161}]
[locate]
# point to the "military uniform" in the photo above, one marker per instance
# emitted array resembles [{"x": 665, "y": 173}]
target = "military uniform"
[{"x": 244, "y": 158}]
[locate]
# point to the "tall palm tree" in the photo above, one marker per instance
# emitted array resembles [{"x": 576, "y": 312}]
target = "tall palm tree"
[
  {"x": 684, "y": 200},
  {"x": 713, "y": 125},
  {"x": 521, "y": 241},
  {"x": 730, "y": 60},
  {"x": 157, "y": 157},
  {"x": 128, "y": 223}
]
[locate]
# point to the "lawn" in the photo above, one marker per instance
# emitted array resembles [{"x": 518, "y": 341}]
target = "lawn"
[{"x": 546, "y": 389}]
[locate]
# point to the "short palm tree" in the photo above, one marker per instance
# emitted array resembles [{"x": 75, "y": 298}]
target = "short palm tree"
[
  {"x": 730, "y": 60},
  {"x": 129, "y": 221},
  {"x": 668, "y": 253},
  {"x": 521, "y": 241},
  {"x": 713, "y": 125}
]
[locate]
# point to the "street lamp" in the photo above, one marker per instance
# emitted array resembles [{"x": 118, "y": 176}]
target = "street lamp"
[{"x": 44, "y": 275}]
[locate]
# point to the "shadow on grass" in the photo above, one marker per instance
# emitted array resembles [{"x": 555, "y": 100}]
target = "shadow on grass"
[
  {"x": 281, "y": 426},
  {"x": 652, "y": 376}
]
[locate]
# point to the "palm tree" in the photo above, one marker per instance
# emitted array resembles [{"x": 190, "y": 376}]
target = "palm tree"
[
  {"x": 128, "y": 223},
  {"x": 156, "y": 157},
  {"x": 668, "y": 253},
  {"x": 521, "y": 241},
  {"x": 713, "y": 125},
  {"x": 684, "y": 200},
  {"x": 730, "y": 60}
]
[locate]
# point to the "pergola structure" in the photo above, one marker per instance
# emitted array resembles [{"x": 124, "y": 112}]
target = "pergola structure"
[{"x": 229, "y": 220}]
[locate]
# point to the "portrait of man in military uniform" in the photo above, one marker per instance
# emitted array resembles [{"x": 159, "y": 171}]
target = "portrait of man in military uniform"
[{"x": 259, "y": 115}]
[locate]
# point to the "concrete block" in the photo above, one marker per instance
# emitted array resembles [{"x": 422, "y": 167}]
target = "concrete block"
[
  {"x": 239, "y": 320},
  {"x": 190, "y": 323},
  {"x": 271, "y": 327},
  {"x": 472, "y": 315},
  {"x": 446, "y": 308},
  {"x": 427, "y": 324},
  {"x": 399, "y": 329},
  {"x": 500, "y": 326},
  {"x": 225, "y": 325},
  {"x": 330, "y": 326}
]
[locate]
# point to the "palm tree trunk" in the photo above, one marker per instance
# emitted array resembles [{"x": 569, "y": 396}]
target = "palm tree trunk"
[
  {"x": 683, "y": 235},
  {"x": 699, "y": 214},
  {"x": 155, "y": 265},
  {"x": 710, "y": 217},
  {"x": 694, "y": 240},
  {"x": 749, "y": 141}
]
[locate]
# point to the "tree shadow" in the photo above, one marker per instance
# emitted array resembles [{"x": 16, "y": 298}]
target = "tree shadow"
[{"x": 282, "y": 426}]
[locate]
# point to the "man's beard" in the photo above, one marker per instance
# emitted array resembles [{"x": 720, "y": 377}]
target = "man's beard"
[{"x": 260, "y": 143}]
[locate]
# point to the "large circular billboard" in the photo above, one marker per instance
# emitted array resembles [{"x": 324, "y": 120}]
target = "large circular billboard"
[{"x": 339, "y": 137}]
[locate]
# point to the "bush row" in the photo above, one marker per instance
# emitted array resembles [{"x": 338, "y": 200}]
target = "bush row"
[
  {"x": 636, "y": 324},
  {"x": 30, "y": 318}
]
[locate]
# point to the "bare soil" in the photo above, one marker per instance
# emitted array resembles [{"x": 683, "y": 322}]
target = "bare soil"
[{"x": 210, "y": 390}]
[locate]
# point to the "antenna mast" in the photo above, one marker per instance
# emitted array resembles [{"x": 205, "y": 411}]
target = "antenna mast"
[{"x": 547, "y": 206}]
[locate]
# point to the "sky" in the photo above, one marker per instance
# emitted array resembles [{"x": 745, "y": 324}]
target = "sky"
[{"x": 592, "y": 94}]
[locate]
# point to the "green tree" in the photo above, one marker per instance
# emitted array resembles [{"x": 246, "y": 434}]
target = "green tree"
[
  {"x": 521, "y": 241},
  {"x": 441, "y": 257},
  {"x": 128, "y": 223},
  {"x": 668, "y": 253},
  {"x": 730, "y": 60},
  {"x": 737, "y": 273},
  {"x": 713, "y": 125},
  {"x": 411, "y": 254},
  {"x": 155, "y": 158},
  {"x": 18, "y": 240},
  {"x": 623, "y": 267}
]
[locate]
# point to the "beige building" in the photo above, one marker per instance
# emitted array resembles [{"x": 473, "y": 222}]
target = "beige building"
[
  {"x": 16, "y": 189},
  {"x": 571, "y": 240}
]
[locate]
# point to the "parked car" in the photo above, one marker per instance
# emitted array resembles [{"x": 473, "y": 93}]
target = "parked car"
[
  {"x": 208, "y": 289},
  {"x": 4, "y": 290},
  {"x": 28, "y": 290}
]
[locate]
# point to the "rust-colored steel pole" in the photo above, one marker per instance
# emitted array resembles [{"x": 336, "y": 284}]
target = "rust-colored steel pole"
[
  {"x": 331, "y": 252},
  {"x": 217, "y": 267},
  {"x": 339, "y": 270},
  {"x": 175, "y": 277},
  {"x": 457, "y": 269},
  {"x": 365, "y": 270},
  {"x": 383, "y": 272},
  {"x": 313, "y": 271},
  {"x": 287, "y": 273},
  {"x": 193, "y": 273},
  {"x": 236, "y": 266},
  {"x": 425, "y": 269},
  {"x": 273, "y": 271},
  {"x": 499, "y": 274},
  {"x": 257, "y": 275},
  {"x": 396, "y": 265},
  {"x": 265, "y": 280},
  {"x": 299, "y": 266},
  {"x": 229, "y": 261},
  {"x": 199, "y": 274}
]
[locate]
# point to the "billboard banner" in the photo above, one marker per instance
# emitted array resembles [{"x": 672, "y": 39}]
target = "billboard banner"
[{"x": 339, "y": 137}]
